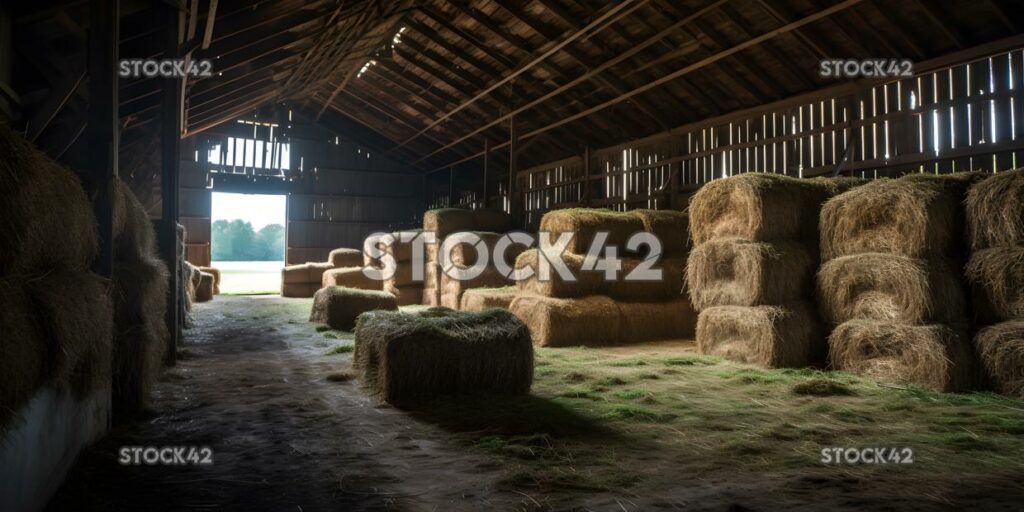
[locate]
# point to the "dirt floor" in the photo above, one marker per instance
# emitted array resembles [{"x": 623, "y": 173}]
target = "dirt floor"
[{"x": 653, "y": 427}]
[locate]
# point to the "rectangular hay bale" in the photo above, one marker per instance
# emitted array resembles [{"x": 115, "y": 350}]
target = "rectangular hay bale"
[
  {"x": 1001, "y": 350},
  {"x": 585, "y": 223},
  {"x": 478, "y": 299},
  {"x": 338, "y": 306},
  {"x": 785, "y": 336},
  {"x": 554, "y": 322},
  {"x": 350, "y": 277},
  {"x": 738, "y": 272},
  {"x": 650, "y": 321},
  {"x": 345, "y": 257}
]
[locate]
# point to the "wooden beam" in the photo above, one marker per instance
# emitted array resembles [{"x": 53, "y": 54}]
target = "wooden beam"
[
  {"x": 619, "y": 9},
  {"x": 170, "y": 134},
  {"x": 211, "y": 17},
  {"x": 57, "y": 99},
  {"x": 103, "y": 124}
]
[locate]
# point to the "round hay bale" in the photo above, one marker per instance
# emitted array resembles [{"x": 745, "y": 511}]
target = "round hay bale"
[
  {"x": 345, "y": 257},
  {"x": 299, "y": 290},
  {"x": 24, "y": 353},
  {"x": 479, "y": 299},
  {"x": 139, "y": 291},
  {"x": 671, "y": 227},
  {"x": 338, "y": 306},
  {"x": 1001, "y": 349},
  {"x": 917, "y": 218},
  {"x": 204, "y": 292},
  {"x": 554, "y": 322},
  {"x": 215, "y": 272},
  {"x": 77, "y": 315},
  {"x": 627, "y": 285},
  {"x": 994, "y": 211},
  {"x": 350, "y": 277},
  {"x": 586, "y": 283},
  {"x": 786, "y": 336},
  {"x": 46, "y": 219},
  {"x": 934, "y": 357},
  {"x": 649, "y": 321},
  {"x": 757, "y": 206},
  {"x": 890, "y": 287},
  {"x": 997, "y": 283},
  {"x": 737, "y": 272},
  {"x": 585, "y": 223},
  {"x": 408, "y": 359}
]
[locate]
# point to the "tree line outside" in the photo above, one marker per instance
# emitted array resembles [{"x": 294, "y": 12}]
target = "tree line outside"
[{"x": 236, "y": 240}]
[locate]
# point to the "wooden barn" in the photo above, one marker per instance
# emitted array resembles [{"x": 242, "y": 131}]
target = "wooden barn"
[{"x": 511, "y": 255}]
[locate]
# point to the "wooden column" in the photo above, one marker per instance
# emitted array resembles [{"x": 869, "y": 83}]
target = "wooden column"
[
  {"x": 103, "y": 124},
  {"x": 487, "y": 160},
  {"x": 170, "y": 135},
  {"x": 587, "y": 185},
  {"x": 513, "y": 168},
  {"x": 451, "y": 187}
]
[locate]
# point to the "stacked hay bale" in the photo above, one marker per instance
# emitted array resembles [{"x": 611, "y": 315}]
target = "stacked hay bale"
[
  {"x": 464, "y": 256},
  {"x": 995, "y": 270},
  {"x": 303, "y": 280},
  {"x": 591, "y": 310},
  {"x": 139, "y": 289},
  {"x": 479, "y": 299},
  {"x": 447, "y": 221},
  {"x": 751, "y": 272},
  {"x": 407, "y": 359},
  {"x": 338, "y": 306},
  {"x": 55, "y": 315},
  {"x": 890, "y": 282},
  {"x": 215, "y": 272},
  {"x": 407, "y": 291}
]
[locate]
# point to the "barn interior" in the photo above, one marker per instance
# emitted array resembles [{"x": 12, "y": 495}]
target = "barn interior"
[{"x": 398, "y": 255}]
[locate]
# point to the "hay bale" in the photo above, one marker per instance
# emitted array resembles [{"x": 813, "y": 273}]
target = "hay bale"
[
  {"x": 23, "y": 351},
  {"x": 408, "y": 359},
  {"x": 134, "y": 236},
  {"x": 466, "y": 255},
  {"x": 489, "y": 278},
  {"x": 76, "y": 314},
  {"x": 784, "y": 336},
  {"x": 215, "y": 272},
  {"x": 351, "y": 277},
  {"x": 295, "y": 274},
  {"x": 338, "y": 306},
  {"x": 670, "y": 226},
  {"x": 204, "y": 292},
  {"x": 836, "y": 185},
  {"x": 934, "y": 356},
  {"x": 916, "y": 218},
  {"x": 479, "y": 299},
  {"x": 403, "y": 275},
  {"x": 889, "y": 287},
  {"x": 993, "y": 211},
  {"x": 648, "y": 321},
  {"x": 431, "y": 296},
  {"x": 139, "y": 291},
  {"x": 586, "y": 283},
  {"x": 46, "y": 220},
  {"x": 757, "y": 206},
  {"x": 406, "y": 295},
  {"x": 737, "y": 272},
  {"x": 299, "y": 290},
  {"x": 401, "y": 251},
  {"x": 345, "y": 257},
  {"x": 997, "y": 283},
  {"x": 554, "y": 322},
  {"x": 1001, "y": 349},
  {"x": 191, "y": 277},
  {"x": 585, "y": 223},
  {"x": 669, "y": 287},
  {"x": 445, "y": 221}
]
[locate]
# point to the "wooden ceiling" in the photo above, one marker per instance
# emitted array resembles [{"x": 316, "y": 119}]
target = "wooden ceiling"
[{"x": 571, "y": 73}]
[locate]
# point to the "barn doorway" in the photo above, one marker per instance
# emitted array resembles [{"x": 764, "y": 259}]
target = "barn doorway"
[{"x": 247, "y": 241}]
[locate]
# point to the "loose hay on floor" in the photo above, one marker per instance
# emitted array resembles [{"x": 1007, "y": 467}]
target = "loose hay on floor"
[
  {"x": 757, "y": 206},
  {"x": 994, "y": 211},
  {"x": 553, "y": 322},
  {"x": 338, "y": 306},
  {"x": 479, "y": 299},
  {"x": 737, "y": 272},
  {"x": 890, "y": 287},
  {"x": 915, "y": 218},
  {"x": 997, "y": 282},
  {"x": 770, "y": 336},
  {"x": 649, "y": 321},
  {"x": 1001, "y": 349},
  {"x": 345, "y": 257},
  {"x": 350, "y": 277},
  {"x": 934, "y": 357},
  {"x": 585, "y": 223},
  {"x": 408, "y": 359}
]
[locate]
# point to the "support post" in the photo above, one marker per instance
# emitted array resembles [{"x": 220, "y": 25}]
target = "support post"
[
  {"x": 170, "y": 135},
  {"x": 451, "y": 187},
  {"x": 513, "y": 168},
  {"x": 103, "y": 124},
  {"x": 587, "y": 185},
  {"x": 487, "y": 160}
]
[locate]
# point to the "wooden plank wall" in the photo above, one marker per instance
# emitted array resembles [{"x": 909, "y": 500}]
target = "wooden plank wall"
[
  {"x": 194, "y": 209},
  {"x": 965, "y": 117}
]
